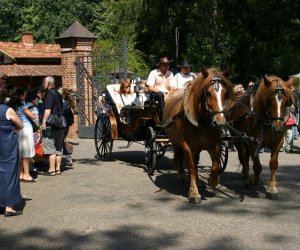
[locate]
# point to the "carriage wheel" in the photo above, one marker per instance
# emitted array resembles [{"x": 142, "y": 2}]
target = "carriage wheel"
[
  {"x": 150, "y": 151},
  {"x": 224, "y": 156},
  {"x": 103, "y": 140}
]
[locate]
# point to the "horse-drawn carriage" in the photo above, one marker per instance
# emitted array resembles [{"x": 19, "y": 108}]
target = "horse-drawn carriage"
[
  {"x": 117, "y": 120},
  {"x": 137, "y": 122},
  {"x": 194, "y": 119}
]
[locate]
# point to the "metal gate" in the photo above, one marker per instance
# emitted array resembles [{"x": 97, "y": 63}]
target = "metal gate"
[{"x": 93, "y": 72}]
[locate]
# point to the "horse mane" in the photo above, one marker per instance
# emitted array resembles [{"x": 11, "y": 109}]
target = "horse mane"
[
  {"x": 193, "y": 98},
  {"x": 264, "y": 93}
]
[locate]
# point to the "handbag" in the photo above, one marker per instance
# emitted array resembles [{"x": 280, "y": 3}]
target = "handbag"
[
  {"x": 39, "y": 151},
  {"x": 57, "y": 121},
  {"x": 291, "y": 120}
]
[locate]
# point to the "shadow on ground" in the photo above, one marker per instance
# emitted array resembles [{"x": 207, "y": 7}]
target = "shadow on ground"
[
  {"x": 231, "y": 190},
  {"x": 137, "y": 159},
  {"x": 123, "y": 237}
]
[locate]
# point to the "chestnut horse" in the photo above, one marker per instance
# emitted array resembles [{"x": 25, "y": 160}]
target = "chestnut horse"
[
  {"x": 71, "y": 96},
  {"x": 262, "y": 116},
  {"x": 193, "y": 116}
]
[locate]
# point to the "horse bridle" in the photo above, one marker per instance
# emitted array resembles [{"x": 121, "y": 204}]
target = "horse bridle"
[
  {"x": 216, "y": 81},
  {"x": 280, "y": 92}
]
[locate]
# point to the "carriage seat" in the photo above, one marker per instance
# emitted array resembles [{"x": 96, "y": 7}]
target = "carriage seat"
[{"x": 113, "y": 90}]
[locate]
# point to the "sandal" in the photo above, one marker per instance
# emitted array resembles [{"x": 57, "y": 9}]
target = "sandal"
[
  {"x": 58, "y": 172},
  {"x": 31, "y": 180},
  {"x": 50, "y": 173}
]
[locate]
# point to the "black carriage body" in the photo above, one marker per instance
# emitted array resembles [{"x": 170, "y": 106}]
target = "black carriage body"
[{"x": 133, "y": 121}]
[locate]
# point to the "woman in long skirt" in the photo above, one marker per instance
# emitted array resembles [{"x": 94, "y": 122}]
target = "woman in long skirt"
[{"x": 10, "y": 193}]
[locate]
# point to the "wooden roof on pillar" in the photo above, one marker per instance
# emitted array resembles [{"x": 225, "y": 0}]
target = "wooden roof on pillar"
[{"x": 76, "y": 30}]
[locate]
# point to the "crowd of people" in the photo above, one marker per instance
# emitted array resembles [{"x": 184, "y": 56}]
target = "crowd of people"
[{"x": 42, "y": 116}]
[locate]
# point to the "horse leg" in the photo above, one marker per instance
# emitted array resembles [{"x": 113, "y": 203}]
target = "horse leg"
[
  {"x": 194, "y": 196},
  {"x": 257, "y": 168},
  {"x": 196, "y": 157},
  {"x": 178, "y": 162},
  {"x": 215, "y": 155},
  {"x": 272, "y": 192},
  {"x": 244, "y": 156}
]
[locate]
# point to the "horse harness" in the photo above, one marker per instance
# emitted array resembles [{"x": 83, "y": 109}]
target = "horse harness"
[
  {"x": 203, "y": 123},
  {"x": 266, "y": 120}
]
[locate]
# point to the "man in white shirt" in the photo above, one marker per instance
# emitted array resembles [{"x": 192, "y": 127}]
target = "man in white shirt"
[
  {"x": 180, "y": 79},
  {"x": 159, "y": 82}
]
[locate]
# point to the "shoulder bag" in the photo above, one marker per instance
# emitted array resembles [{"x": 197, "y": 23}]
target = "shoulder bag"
[{"x": 57, "y": 121}]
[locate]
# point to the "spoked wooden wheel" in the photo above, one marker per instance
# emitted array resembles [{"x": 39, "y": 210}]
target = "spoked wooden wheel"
[
  {"x": 224, "y": 156},
  {"x": 150, "y": 151},
  {"x": 103, "y": 140}
]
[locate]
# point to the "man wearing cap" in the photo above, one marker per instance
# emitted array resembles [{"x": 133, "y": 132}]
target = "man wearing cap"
[
  {"x": 159, "y": 82},
  {"x": 180, "y": 79}
]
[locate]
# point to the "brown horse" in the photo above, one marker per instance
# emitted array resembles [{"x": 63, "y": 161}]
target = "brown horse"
[
  {"x": 194, "y": 115},
  {"x": 71, "y": 96},
  {"x": 261, "y": 116}
]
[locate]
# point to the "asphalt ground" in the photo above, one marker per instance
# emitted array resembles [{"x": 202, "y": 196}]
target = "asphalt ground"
[{"x": 116, "y": 205}]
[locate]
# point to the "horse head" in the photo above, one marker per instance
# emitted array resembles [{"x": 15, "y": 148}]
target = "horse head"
[
  {"x": 204, "y": 101},
  {"x": 71, "y": 96},
  {"x": 272, "y": 101}
]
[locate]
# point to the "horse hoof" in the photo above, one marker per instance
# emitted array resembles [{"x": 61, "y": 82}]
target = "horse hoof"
[
  {"x": 213, "y": 181},
  {"x": 272, "y": 196},
  {"x": 254, "y": 180},
  {"x": 195, "y": 200}
]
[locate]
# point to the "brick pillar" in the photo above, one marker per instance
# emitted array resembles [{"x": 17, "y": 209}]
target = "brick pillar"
[{"x": 71, "y": 47}]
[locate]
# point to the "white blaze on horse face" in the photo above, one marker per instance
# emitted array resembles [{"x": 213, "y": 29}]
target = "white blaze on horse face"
[
  {"x": 219, "y": 98},
  {"x": 278, "y": 101}
]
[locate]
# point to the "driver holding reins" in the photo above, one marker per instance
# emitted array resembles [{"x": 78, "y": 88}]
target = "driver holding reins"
[{"x": 159, "y": 82}]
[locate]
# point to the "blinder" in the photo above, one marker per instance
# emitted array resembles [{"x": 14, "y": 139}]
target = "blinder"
[
  {"x": 216, "y": 82},
  {"x": 280, "y": 92}
]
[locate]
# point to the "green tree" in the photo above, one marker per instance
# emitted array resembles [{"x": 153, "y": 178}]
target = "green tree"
[{"x": 115, "y": 21}]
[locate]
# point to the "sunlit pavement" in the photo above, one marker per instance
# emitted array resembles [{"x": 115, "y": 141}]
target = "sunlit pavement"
[{"x": 116, "y": 205}]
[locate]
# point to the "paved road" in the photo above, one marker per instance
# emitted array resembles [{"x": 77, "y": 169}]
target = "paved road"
[{"x": 115, "y": 205}]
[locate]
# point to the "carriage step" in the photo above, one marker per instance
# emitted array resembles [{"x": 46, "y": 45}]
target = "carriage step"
[{"x": 162, "y": 140}]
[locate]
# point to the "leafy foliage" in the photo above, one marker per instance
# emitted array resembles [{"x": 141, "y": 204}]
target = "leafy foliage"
[{"x": 250, "y": 37}]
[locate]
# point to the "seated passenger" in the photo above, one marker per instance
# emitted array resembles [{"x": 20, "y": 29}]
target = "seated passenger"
[
  {"x": 126, "y": 96},
  {"x": 159, "y": 82},
  {"x": 185, "y": 75}
]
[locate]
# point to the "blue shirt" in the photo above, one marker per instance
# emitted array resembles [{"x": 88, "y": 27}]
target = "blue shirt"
[{"x": 23, "y": 117}]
